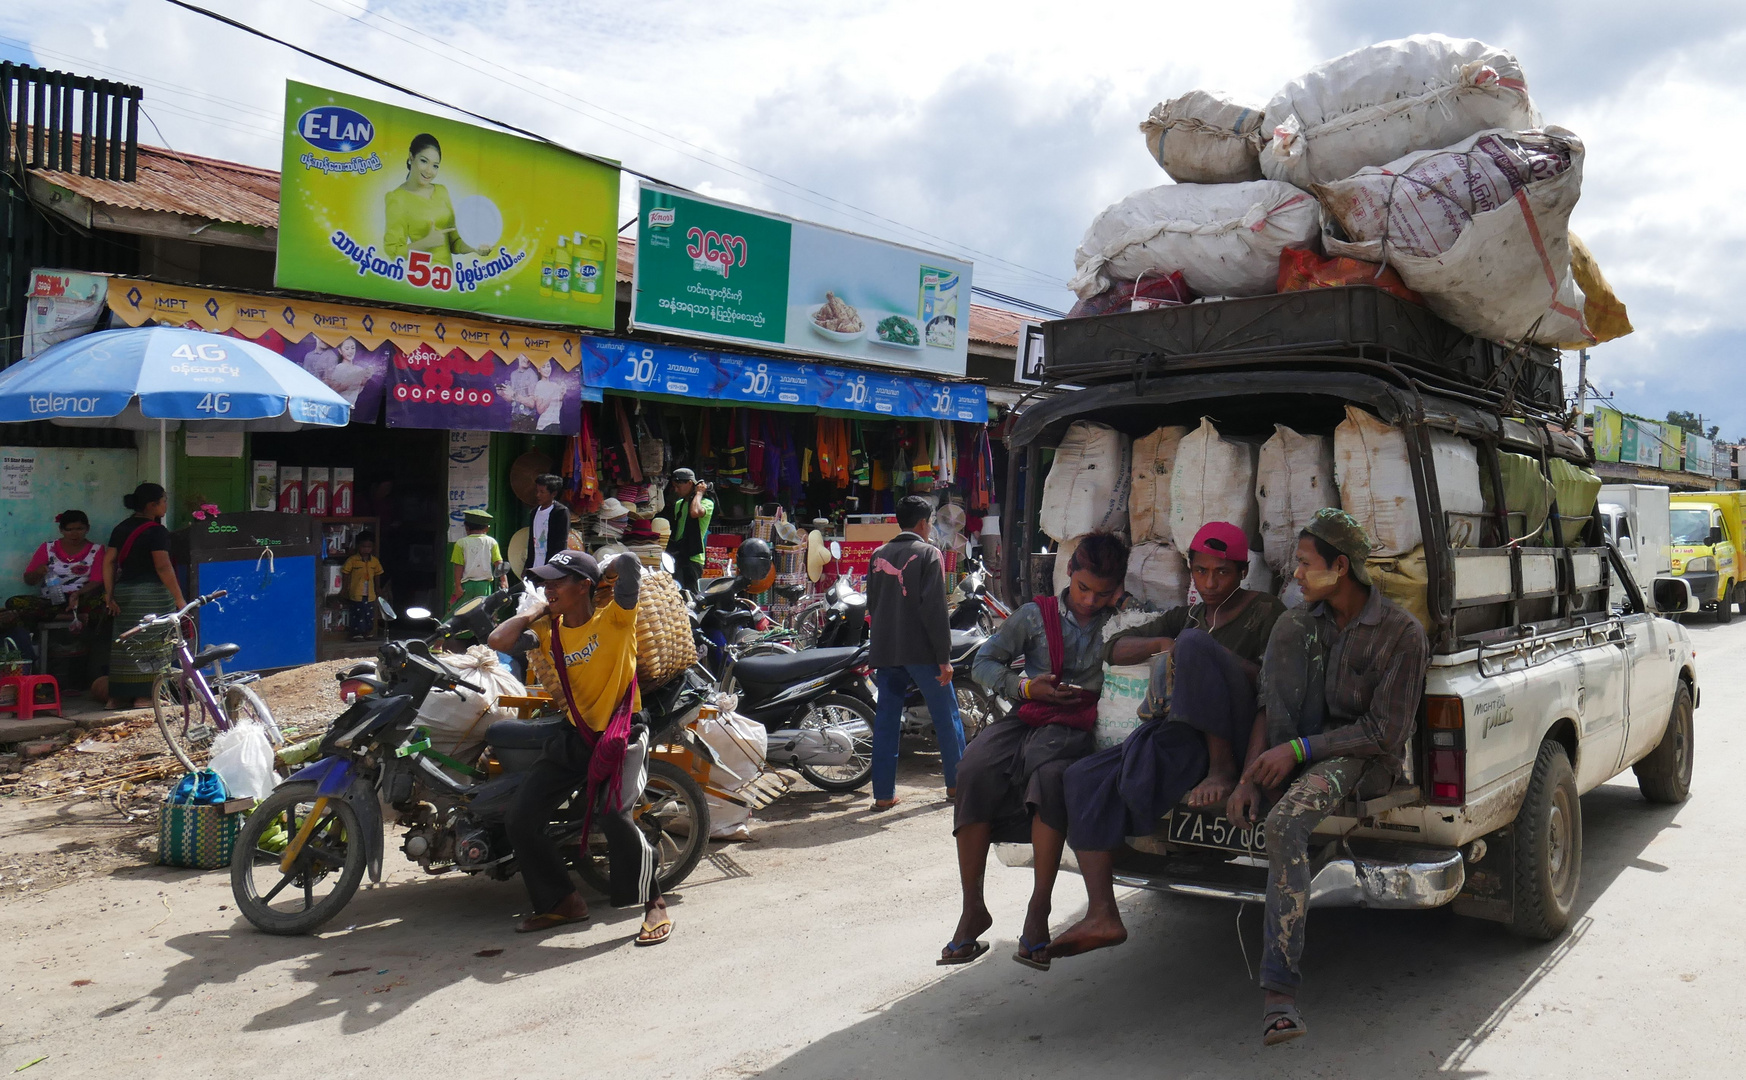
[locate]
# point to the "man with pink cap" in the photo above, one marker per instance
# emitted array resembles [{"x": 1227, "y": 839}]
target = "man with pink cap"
[{"x": 1197, "y": 717}]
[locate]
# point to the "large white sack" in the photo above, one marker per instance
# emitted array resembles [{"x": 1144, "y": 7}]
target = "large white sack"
[
  {"x": 1294, "y": 479},
  {"x": 1376, "y": 482},
  {"x": 456, "y": 720},
  {"x": 740, "y": 743},
  {"x": 1157, "y": 575},
  {"x": 1456, "y": 464},
  {"x": 1225, "y": 238},
  {"x": 1374, "y": 104},
  {"x": 1480, "y": 229},
  {"x": 1063, "y": 556},
  {"x": 1149, "y": 495},
  {"x": 1087, "y": 486},
  {"x": 1204, "y": 137},
  {"x": 1214, "y": 480}
]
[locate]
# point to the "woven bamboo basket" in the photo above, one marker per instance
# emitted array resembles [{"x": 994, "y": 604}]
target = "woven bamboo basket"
[{"x": 665, "y": 646}]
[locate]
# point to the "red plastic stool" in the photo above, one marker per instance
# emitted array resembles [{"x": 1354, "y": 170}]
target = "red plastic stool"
[{"x": 26, "y": 705}]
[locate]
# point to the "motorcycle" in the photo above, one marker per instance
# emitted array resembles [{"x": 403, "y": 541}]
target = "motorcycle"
[
  {"x": 818, "y": 707},
  {"x": 977, "y": 708},
  {"x": 324, "y": 827},
  {"x": 974, "y": 605}
]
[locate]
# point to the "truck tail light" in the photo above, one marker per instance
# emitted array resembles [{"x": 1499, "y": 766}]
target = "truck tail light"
[{"x": 1446, "y": 756}]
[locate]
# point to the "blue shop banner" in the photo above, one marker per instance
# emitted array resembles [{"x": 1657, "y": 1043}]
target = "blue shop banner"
[{"x": 631, "y": 367}]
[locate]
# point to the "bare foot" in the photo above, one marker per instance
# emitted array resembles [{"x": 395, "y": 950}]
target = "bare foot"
[
  {"x": 972, "y": 924},
  {"x": 1212, "y": 791},
  {"x": 1036, "y": 923},
  {"x": 1091, "y": 932}
]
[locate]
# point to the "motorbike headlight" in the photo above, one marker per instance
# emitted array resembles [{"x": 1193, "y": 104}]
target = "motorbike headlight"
[{"x": 1705, "y": 564}]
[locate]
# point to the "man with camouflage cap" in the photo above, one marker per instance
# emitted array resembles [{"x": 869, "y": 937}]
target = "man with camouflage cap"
[{"x": 1340, "y": 688}]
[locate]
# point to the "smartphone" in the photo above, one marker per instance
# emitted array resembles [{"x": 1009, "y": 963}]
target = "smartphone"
[{"x": 1071, "y": 686}]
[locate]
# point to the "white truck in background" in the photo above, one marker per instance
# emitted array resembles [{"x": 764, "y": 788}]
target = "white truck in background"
[{"x": 1635, "y": 520}]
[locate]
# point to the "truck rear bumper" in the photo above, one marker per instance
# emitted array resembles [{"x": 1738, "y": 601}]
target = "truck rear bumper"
[{"x": 1378, "y": 875}]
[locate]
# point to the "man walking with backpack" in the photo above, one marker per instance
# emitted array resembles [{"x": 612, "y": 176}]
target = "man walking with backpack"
[{"x": 911, "y": 645}]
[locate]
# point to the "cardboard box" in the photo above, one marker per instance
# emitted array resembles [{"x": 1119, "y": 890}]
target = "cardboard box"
[
  {"x": 880, "y": 532},
  {"x": 316, "y": 487},
  {"x": 264, "y": 486},
  {"x": 344, "y": 496},
  {"x": 291, "y": 489}
]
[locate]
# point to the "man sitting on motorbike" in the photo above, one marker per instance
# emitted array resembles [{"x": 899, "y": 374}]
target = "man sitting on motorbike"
[{"x": 588, "y": 660}]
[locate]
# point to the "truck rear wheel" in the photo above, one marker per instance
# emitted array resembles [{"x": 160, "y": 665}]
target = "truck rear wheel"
[
  {"x": 1664, "y": 775},
  {"x": 1548, "y": 841}
]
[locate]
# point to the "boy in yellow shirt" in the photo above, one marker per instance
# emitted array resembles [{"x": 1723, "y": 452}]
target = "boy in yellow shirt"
[
  {"x": 363, "y": 576},
  {"x": 592, "y": 668}
]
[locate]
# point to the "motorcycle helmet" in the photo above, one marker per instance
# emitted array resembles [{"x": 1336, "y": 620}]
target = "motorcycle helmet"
[{"x": 755, "y": 565}]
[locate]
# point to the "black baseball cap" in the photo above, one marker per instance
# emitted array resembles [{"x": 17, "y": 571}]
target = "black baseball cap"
[
  {"x": 684, "y": 476},
  {"x": 574, "y": 564}
]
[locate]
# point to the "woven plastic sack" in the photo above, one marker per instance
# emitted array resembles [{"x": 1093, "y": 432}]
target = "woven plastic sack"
[
  {"x": 1481, "y": 231},
  {"x": 456, "y": 720},
  {"x": 1087, "y": 487},
  {"x": 1602, "y": 309},
  {"x": 1157, "y": 575},
  {"x": 740, "y": 744},
  {"x": 1301, "y": 269},
  {"x": 1149, "y": 493},
  {"x": 1063, "y": 556},
  {"x": 1204, "y": 137},
  {"x": 1118, "y": 703},
  {"x": 1456, "y": 464},
  {"x": 1224, "y": 238},
  {"x": 1294, "y": 479},
  {"x": 1379, "y": 102},
  {"x": 1375, "y": 482},
  {"x": 1213, "y": 480}
]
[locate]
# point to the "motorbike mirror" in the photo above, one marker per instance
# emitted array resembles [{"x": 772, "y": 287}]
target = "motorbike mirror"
[
  {"x": 416, "y": 613},
  {"x": 469, "y": 607},
  {"x": 836, "y": 550},
  {"x": 387, "y": 609},
  {"x": 667, "y": 563}
]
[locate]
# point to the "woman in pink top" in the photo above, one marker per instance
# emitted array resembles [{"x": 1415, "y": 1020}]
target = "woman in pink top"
[{"x": 66, "y": 569}]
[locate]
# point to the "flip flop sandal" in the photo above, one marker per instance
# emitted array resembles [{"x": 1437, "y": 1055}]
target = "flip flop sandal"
[
  {"x": 882, "y": 805},
  {"x": 547, "y": 921},
  {"x": 1272, "y": 1034},
  {"x": 977, "y": 948},
  {"x": 1027, "y": 954},
  {"x": 656, "y": 934}
]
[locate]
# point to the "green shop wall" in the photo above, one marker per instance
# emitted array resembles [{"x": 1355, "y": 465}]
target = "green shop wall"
[
  {"x": 196, "y": 481},
  {"x": 508, "y": 513}
]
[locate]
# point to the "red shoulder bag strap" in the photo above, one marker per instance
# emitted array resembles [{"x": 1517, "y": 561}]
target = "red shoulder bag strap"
[{"x": 127, "y": 545}]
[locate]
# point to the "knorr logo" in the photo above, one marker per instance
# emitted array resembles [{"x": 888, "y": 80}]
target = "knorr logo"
[{"x": 662, "y": 217}]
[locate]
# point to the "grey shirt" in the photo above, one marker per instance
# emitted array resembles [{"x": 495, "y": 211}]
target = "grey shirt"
[{"x": 1022, "y": 635}]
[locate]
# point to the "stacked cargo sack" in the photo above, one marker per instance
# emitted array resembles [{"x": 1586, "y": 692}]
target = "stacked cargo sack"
[
  {"x": 1086, "y": 490},
  {"x": 1205, "y": 137},
  {"x": 1157, "y": 573},
  {"x": 1294, "y": 479},
  {"x": 1214, "y": 480}
]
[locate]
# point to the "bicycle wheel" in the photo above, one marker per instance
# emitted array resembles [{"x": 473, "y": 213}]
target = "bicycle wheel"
[
  {"x": 186, "y": 727},
  {"x": 242, "y": 703}
]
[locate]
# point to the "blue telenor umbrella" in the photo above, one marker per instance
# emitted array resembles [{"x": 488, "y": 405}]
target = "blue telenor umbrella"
[{"x": 158, "y": 376}]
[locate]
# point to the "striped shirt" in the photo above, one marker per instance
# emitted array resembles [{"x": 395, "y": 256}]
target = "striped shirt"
[{"x": 1376, "y": 676}]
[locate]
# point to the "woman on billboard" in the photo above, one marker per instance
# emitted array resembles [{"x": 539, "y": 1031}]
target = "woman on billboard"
[{"x": 420, "y": 215}]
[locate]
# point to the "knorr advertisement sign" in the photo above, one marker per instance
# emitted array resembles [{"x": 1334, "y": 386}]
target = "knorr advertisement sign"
[
  {"x": 709, "y": 269},
  {"x": 384, "y": 203}
]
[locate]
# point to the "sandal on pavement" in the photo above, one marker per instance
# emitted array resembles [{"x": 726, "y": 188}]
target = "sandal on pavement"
[
  {"x": 977, "y": 948},
  {"x": 1281, "y": 1023},
  {"x": 1027, "y": 954},
  {"x": 656, "y": 934},
  {"x": 883, "y": 804},
  {"x": 547, "y": 920}
]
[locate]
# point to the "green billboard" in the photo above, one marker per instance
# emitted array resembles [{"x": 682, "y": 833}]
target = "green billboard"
[
  {"x": 713, "y": 270},
  {"x": 384, "y": 203}
]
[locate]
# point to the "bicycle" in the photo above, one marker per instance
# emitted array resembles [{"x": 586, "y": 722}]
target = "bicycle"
[{"x": 186, "y": 689}]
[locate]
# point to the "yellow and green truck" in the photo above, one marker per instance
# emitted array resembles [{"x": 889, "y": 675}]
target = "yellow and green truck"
[{"x": 1709, "y": 537}]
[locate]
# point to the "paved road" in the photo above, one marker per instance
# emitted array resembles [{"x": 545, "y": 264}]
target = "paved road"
[{"x": 809, "y": 954}]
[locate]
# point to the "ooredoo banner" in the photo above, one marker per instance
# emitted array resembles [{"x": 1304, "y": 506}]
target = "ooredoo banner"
[
  {"x": 713, "y": 270},
  {"x": 385, "y": 203}
]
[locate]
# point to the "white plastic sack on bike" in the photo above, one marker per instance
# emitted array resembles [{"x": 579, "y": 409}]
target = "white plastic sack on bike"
[
  {"x": 1149, "y": 494},
  {"x": 1157, "y": 575},
  {"x": 740, "y": 744},
  {"x": 1203, "y": 137},
  {"x": 1224, "y": 238},
  {"x": 456, "y": 720},
  {"x": 1087, "y": 486},
  {"x": 1213, "y": 480},
  {"x": 1379, "y": 102},
  {"x": 1294, "y": 479},
  {"x": 1480, "y": 229},
  {"x": 243, "y": 759}
]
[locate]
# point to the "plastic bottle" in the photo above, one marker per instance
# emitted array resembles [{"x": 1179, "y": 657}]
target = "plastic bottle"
[
  {"x": 561, "y": 268},
  {"x": 588, "y": 283},
  {"x": 548, "y": 259}
]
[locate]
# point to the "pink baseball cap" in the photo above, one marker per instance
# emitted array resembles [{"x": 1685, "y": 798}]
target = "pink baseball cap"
[{"x": 1223, "y": 540}]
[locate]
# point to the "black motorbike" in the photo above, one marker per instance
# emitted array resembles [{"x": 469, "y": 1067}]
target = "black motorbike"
[
  {"x": 818, "y": 707},
  {"x": 304, "y": 850},
  {"x": 976, "y": 607},
  {"x": 977, "y": 708}
]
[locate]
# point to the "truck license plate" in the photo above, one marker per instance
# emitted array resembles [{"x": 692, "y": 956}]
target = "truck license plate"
[{"x": 1202, "y": 828}]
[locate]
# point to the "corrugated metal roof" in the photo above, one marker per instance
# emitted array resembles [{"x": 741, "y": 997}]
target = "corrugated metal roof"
[{"x": 175, "y": 183}]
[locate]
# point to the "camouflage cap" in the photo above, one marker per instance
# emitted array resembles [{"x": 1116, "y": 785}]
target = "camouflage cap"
[{"x": 1341, "y": 531}]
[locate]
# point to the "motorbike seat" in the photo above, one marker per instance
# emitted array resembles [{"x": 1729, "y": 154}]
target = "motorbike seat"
[
  {"x": 964, "y": 642},
  {"x": 213, "y": 653},
  {"x": 792, "y": 667},
  {"x": 523, "y": 734}
]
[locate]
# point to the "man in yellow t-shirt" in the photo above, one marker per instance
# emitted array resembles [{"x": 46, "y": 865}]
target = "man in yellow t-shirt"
[
  {"x": 596, "y": 663},
  {"x": 363, "y": 575}
]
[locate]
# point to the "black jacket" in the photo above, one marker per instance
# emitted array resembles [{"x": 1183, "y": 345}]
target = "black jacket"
[
  {"x": 906, "y": 597},
  {"x": 557, "y": 534}
]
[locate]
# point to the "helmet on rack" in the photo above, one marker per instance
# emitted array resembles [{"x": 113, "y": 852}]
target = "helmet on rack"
[{"x": 755, "y": 564}]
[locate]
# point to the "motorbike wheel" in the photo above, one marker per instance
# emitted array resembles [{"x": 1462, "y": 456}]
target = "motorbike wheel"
[
  {"x": 977, "y": 708},
  {"x": 856, "y": 717},
  {"x": 987, "y": 621},
  {"x": 674, "y": 818},
  {"x": 332, "y": 857}
]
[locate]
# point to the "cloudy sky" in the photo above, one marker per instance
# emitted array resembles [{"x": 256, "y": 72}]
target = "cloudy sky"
[{"x": 991, "y": 131}]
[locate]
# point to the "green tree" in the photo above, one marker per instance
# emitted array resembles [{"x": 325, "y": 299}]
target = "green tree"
[{"x": 1692, "y": 423}]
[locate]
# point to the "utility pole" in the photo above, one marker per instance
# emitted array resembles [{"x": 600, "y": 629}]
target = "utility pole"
[{"x": 1581, "y": 386}]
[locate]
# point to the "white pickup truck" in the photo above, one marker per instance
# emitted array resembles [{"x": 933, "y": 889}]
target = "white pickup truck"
[{"x": 1539, "y": 687}]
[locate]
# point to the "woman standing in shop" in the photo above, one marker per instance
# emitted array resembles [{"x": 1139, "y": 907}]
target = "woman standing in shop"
[
  {"x": 420, "y": 215},
  {"x": 138, "y": 580}
]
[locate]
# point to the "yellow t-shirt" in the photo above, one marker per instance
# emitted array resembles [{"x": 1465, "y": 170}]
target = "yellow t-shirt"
[
  {"x": 600, "y": 661},
  {"x": 361, "y": 574},
  {"x": 413, "y": 217}
]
